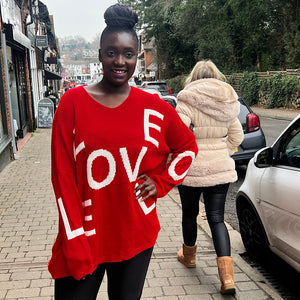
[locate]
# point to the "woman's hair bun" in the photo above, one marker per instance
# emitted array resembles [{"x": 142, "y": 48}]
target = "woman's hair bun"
[{"x": 120, "y": 15}]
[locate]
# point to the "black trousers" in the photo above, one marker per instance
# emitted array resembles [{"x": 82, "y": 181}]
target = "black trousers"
[
  {"x": 125, "y": 280},
  {"x": 214, "y": 201}
]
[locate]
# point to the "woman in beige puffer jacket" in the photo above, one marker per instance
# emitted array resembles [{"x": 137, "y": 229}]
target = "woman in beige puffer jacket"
[{"x": 210, "y": 107}]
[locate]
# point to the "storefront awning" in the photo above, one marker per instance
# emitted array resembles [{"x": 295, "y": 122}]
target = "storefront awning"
[{"x": 52, "y": 76}]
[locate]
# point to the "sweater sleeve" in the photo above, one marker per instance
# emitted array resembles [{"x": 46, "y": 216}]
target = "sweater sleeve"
[
  {"x": 75, "y": 246},
  {"x": 235, "y": 135},
  {"x": 184, "y": 149}
]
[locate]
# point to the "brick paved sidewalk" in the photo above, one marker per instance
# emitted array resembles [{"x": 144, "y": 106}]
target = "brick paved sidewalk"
[{"x": 28, "y": 218}]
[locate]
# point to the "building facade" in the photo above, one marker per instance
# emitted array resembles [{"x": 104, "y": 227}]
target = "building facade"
[{"x": 23, "y": 69}]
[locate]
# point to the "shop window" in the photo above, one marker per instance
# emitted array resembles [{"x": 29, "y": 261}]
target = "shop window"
[{"x": 3, "y": 121}]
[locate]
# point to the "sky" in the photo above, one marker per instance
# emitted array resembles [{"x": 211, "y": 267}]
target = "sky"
[{"x": 78, "y": 17}]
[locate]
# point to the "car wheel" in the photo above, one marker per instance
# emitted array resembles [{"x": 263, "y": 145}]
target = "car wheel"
[{"x": 252, "y": 232}]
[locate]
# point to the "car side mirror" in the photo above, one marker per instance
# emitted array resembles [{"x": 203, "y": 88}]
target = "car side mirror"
[{"x": 263, "y": 158}]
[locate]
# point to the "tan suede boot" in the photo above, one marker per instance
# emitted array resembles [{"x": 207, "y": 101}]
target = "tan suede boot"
[
  {"x": 225, "y": 268},
  {"x": 187, "y": 256}
]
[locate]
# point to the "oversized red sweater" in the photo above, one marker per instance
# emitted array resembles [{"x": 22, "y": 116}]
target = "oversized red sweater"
[{"x": 97, "y": 155}]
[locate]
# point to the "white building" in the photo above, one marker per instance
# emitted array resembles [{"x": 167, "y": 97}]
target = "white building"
[{"x": 96, "y": 71}]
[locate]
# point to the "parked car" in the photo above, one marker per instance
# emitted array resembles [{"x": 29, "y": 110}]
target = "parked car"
[
  {"x": 268, "y": 203},
  {"x": 172, "y": 100},
  {"x": 254, "y": 138},
  {"x": 131, "y": 82},
  {"x": 69, "y": 83},
  {"x": 161, "y": 86},
  {"x": 152, "y": 91}
]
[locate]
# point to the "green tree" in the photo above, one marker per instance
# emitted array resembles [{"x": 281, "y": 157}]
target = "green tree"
[
  {"x": 285, "y": 37},
  {"x": 238, "y": 35},
  {"x": 249, "y": 31}
]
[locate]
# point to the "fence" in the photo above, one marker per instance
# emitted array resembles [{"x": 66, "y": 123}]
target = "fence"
[{"x": 234, "y": 78}]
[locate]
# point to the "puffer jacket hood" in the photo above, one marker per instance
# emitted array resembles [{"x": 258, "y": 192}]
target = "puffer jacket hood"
[{"x": 213, "y": 97}]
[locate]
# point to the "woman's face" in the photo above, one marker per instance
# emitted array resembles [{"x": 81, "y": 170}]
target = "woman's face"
[{"x": 118, "y": 55}]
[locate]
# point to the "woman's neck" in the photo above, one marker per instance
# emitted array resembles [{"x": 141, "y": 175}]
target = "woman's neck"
[
  {"x": 107, "y": 94},
  {"x": 107, "y": 88}
]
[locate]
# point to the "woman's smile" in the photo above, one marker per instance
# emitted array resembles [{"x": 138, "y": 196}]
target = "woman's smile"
[{"x": 119, "y": 73}]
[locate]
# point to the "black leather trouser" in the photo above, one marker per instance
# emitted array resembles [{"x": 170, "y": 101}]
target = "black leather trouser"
[
  {"x": 125, "y": 280},
  {"x": 214, "y": 201}
]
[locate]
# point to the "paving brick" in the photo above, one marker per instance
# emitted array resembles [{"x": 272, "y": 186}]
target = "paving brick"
[
  {"x": 40, "y": 283},
  {"x": 152, "y": 292},
  {"x": 16, "y": 284},
  {"x": 158, "y": 282},
  {"x": 241, "y": 277},
  {"x": 15, "y": 255},
  {"x": 253, "y": 295},
  {"x": 3, "y": 294},
  {"x": 196, "y": 297},
  {"x": 4, "y": 277},
  {"x": 163, "y": 273},
  {"x": 23, "y": 293},
  {"x": 246, "y": 286},
  {"x": 38, "y": 298},
  {"x": 47, "y": 291},
  {"x": 209, "y": 279},
  {"x": 26, "y": 274},
  {"x": 200, "y": 289},
  {"x": 167, "y": 298},
  {"x": 183, "y": 271},
  {"x": 174, "y": 290}
]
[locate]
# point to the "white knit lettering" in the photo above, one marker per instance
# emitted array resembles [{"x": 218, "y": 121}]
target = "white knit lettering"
[
  {"x": 90, "y": 232},
  {"x": 132, "y": 175},
  {"x": 112, "y": 169},
  {"x": 182, "y": 155},
  {"x": 71, "y": 234},
  {"x": 80, "y": 147},
  {"x": 148, "y": 124}
]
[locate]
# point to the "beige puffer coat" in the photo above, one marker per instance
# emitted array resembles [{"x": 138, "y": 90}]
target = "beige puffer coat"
[{"x": 212, "y": 107}]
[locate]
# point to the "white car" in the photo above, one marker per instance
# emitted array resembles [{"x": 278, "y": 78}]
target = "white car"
[{"x": 268, "y": 202}]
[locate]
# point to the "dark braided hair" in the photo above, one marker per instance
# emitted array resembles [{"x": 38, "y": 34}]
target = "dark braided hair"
[{"x": 119, "y": 18}]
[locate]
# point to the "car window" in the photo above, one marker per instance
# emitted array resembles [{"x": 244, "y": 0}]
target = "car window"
[
  {"x": 155, "y": 85},
  {"x": 290, "y": 153},
  {"x": 163, "y": 87},
  {"x": 243, "y": 114}
]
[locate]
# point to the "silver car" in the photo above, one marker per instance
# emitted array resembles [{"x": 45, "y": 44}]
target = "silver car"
[
  {"x": 268, "y": 202},
  {"x": 161, "y": 86}
]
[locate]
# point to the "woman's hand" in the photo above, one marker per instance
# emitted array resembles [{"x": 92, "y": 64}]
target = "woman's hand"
[{"x": 146, "y": 189}]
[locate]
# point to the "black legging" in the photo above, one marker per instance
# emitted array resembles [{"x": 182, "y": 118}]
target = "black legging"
[
  {"x": 125, "y": 280},
  {"x": 214, "y": 201}
]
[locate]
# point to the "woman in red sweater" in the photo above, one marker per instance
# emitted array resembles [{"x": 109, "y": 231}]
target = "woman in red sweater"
[{"x": 110, "y": 149}]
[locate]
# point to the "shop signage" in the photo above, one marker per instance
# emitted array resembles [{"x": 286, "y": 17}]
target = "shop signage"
[
  {"x": 45, "y": 113},
  {"x": 41, "y": 41},
  {"x": 52, "y": 60}
]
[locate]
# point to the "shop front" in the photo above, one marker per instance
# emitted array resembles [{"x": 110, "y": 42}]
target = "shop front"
[
  {"x": 5, "y": 140},
  {"x": 18, "y": 79}
]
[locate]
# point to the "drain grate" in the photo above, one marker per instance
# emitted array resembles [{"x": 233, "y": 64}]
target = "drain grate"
[{"x": 279, "y": 275}]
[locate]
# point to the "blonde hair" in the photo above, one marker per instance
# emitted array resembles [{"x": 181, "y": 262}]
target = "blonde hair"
[{"x": 205, "y": 69}]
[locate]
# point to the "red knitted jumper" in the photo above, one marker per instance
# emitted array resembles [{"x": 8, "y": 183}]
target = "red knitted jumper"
[{"x": 97, "y": 155}]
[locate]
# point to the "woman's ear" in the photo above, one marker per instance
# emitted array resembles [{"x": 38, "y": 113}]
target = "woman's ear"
[{"x": 100, "y": 56}]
